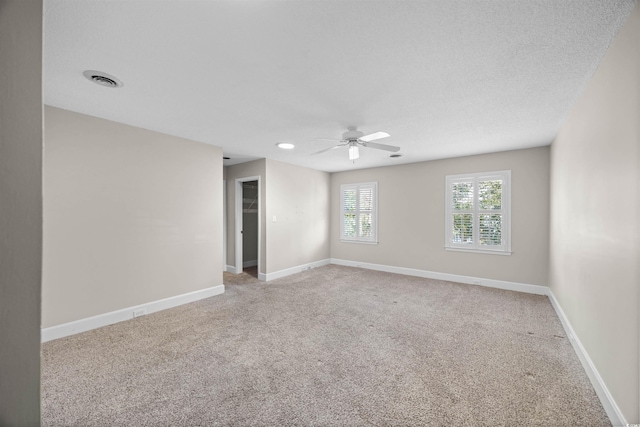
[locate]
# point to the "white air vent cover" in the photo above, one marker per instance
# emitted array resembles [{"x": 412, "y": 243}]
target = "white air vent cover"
[{"x": 102, "y": 79}]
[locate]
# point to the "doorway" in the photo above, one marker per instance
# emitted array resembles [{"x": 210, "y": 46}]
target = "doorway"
[{"x": 248, "y": 208}]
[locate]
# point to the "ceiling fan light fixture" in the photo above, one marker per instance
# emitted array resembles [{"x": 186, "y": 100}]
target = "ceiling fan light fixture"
[
  {"x": 354, "y": 153},
  {"x": 285, "y": 145}
]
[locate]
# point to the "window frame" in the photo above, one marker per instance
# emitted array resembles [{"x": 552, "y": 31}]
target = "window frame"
[
  {"x": 373, "y": 240},
  {"x": 505, "y": 211}
]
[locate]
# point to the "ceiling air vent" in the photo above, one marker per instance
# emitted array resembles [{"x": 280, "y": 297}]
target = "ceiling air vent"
[{"x": 102, "y": 79}]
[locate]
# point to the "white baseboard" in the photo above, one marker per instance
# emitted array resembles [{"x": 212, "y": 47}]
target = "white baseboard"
[
  {"x": 83, "y": 325},
  {"x": 253, "y": 263},
  {"x": 499, "y": 284},
  {"x": 293, "y": 270},
  {"x": 233, "y": 269},
  {"x": 613, "y": 411}
]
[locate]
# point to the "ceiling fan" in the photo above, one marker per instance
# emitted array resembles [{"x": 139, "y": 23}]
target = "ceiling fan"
[{"x": 354, "y": 139}]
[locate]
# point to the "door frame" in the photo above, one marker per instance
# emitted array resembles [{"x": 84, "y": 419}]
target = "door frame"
[
  {"x": 239, "y": 222},
  {"x": 224, "y": 225}
]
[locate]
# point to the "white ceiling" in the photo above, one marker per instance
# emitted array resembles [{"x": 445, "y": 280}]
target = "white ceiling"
[{"x": 444, "y": 78}]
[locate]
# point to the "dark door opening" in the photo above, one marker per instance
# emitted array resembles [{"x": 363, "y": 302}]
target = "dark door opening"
[{"x": 250, "y": 220}]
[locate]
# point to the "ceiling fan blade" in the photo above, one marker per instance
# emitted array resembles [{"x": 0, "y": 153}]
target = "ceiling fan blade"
[
  {"x": 328, "y": 149},
  {"x": 328, "y": 139},
  {"x": 381, "y": 146},
  {"x": 374, "y": 136}
]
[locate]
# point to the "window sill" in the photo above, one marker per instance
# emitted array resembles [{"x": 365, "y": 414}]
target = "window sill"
[
  {"x": 479, "y": 251},
  {"x": 358, "y": 241}
]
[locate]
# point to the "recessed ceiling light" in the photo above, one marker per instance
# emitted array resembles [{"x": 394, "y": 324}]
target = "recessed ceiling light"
[
  {"x": 286, "y": 145},
  {"x": 103, "y": 79},
  {"x": 395, "y": 155}
]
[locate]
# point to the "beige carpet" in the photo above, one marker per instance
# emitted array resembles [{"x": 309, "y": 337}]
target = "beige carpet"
[{"x": 334, "y": 346}]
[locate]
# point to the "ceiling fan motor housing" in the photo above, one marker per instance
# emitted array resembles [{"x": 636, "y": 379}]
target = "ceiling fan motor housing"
[{"x": 352, "y": 134}]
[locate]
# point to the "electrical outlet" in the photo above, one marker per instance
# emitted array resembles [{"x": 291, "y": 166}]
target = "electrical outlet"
[{"x": 139, "y": 312}]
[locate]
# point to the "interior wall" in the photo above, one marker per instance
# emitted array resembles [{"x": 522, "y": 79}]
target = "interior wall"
[
  {"x": 244, "y": 170},
  {"x": 595, "y": 188},
  {"x": 131, "y": 216},
  {"x": 20, "y": 210},
  {"x": 298, "y": 199},
  {"x": 411, "y": 214}
]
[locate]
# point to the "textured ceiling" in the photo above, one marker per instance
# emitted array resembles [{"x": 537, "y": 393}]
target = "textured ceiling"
[{"x": 444, "y": 78}]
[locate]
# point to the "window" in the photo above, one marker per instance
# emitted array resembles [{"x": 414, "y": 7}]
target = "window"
[
  {"x": 478, "y": 209},
  {"x": 359, "y": 211}
]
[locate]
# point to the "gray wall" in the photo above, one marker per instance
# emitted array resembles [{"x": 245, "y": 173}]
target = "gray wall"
[
  {"x": 20, "y": 210},
  {"x": 130, "y": 216},
  {"x": 299, "y": 199},
  {"x": 594, "y": 256},
  {"x": 249, "y": 237},
  {"x": 411, "y": 228}
]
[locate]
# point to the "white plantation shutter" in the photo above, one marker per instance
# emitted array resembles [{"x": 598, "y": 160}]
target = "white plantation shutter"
[
  {"x": 478, "y": 212},
  {"x": 358, "y": 204},
  {"x": 350, "y": 213},
  {"x": 462, "y": 212}
]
